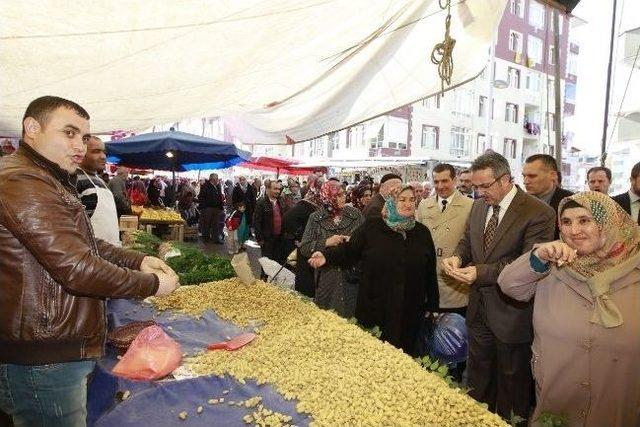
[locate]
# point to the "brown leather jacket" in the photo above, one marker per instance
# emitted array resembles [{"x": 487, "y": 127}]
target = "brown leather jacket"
[{"x": 54, "y": 274}]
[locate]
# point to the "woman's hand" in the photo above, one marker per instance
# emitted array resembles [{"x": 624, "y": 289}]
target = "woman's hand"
[
  {"x": 557, "y": 251},
  {"x": 335, "y": 240},
  {"x": 317, "y": 260}
]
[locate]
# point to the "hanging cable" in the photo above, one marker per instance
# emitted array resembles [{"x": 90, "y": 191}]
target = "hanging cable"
[{"x": 442, "y": 53}]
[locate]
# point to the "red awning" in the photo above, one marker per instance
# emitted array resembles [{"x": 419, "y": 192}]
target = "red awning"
[{"x": 278, "y": 165}]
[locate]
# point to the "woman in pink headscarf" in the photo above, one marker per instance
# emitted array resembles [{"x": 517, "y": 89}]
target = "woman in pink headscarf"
[{"x": 328, "y": 227}]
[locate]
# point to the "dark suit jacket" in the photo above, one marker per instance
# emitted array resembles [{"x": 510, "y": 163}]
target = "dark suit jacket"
[
  {"x": 558, "y": 195},
  {"x": 624, "y": 200},
  {"x": 374, "y": 208},
  {"x": 527, "y": 221}
]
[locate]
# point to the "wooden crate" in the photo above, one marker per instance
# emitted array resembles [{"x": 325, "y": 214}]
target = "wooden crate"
[
  {"x": 128, "y": 223},
  {"x": 176, "y": 232}
]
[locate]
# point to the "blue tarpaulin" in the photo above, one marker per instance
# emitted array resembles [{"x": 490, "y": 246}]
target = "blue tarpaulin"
[
  {"x": 187, "y": 152},
  {"x": 158, "y": 403}
]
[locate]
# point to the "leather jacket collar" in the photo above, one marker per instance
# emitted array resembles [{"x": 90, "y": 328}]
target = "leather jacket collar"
[{"x": 67, "y": 179}]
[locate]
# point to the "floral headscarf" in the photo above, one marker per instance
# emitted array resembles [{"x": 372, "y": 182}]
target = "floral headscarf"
[
  {"x": 390, "y": 214},
  {"x": 313, "y": 190},
  {"x": 329, "y": 196},
  {"x": 621, "y": 243},
  {"x": 358, "y": 192}
]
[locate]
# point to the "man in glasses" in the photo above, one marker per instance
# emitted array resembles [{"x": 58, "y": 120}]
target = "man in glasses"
[{"x": 504, "y": 223}]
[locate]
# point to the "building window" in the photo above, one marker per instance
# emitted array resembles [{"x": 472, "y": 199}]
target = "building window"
[
  {"x": 516, "y": 7},
  {"x": 532, "y": 81},
  {"x": 482, "y": 106},
  {"x": 570, "y": 93},
  {"x": 376, "y": 141},
  {"x": 459, "y": 142},
  {"x": 514, "y": 78},
  {"x": 348, "y": 141},
  {"x": 462, "y": 102},
  {"x": 572, "y": 64},
  {"x": 536, "y": 15},
  {"x": 534, "y": 49},
  {"x": 511, "y": 113},
  {"x": 515, "y": 41},
  {"x": 480, "y": 143},
  {"x": 430, "y": 137},
  {"x": 433, "y": 102},
  {"x": 510, "y": 148},
  {"x": 552, "y": 52},
  {"x": 334, "y": 141}
]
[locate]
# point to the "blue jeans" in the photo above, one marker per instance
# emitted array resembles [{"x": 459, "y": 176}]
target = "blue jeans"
[{"x": 46, "y": 395}]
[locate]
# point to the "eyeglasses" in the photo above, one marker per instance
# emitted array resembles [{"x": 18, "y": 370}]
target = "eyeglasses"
[{"x": 487, "y": 186}]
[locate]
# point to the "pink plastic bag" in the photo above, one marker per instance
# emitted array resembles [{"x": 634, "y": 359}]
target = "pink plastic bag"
[{"x": 153, "y": 354}]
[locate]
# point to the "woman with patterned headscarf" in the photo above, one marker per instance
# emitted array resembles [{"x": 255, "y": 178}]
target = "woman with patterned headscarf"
[
  {"x": 329, "y": 226},
  {"x": 361, "y": 195},
  {"x": 586, "y": 319},
  {"x": 294, "y": 221},
  {"x": 398, "y": 262}
]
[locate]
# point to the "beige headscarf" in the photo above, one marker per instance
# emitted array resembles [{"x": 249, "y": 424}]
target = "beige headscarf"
[{"x": 621, "y": 243}]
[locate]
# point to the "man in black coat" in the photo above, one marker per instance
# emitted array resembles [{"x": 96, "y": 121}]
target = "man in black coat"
[
  {"x": 245, "y": 192},
  {"x": 630, "y": 201},
  {"x": 542, "y": 180},
  {"x": 211, "y": 206},
  {"x": 267, "y": 222}
]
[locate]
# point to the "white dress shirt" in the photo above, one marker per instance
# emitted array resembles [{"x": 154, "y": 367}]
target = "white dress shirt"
[
  {"x": 504, "y": 205},
  {"x": 448, "y": 199}
]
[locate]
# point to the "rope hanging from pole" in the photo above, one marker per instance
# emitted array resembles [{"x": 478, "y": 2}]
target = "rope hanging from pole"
[{"x": 442, "y": 53}]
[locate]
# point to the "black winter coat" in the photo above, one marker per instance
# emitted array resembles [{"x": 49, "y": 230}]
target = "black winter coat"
[
  {"x": 248, "y": 197},
  {"x": 263, "y": 218},
  {"x": 293, "y": 225},
  {"x": 399, "y": 282},
  {"x": 210, "y": 196}
]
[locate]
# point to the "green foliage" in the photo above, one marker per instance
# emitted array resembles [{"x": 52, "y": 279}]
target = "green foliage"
[
  {"x": 192, "y": 265},
  {"x": 146, "y": 243},
  {"x": 439, "y": 369},
  {"x": 547, "y": 419},
  {"x": 516, "y": 420},
  {"x": 375, "y": 331}
]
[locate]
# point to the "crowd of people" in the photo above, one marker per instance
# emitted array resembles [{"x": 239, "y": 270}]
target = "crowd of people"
[{"x": 548, "y": 280}]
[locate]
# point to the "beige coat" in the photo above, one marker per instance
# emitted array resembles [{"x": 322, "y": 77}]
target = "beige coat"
[
  {"x": 447, "y": 228},
  {"x": 583, "y": 370}
]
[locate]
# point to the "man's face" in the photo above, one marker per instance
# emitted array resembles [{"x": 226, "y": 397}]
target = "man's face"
[
  {"x": 490, "y": 188},
  {"x": 443, "y": 182},
  {"x": 96, "y": 157},
  {"x": 274, "y": 189},
  {"x": 243, "y": 181},
  {"x": 598, "y": 181},
  {"x": 63, "y": 140},
  {"x": 635, "y": 185},
  {"x": 213, "y": 178},
  {"x": 464, "y": 182},
  {"x": 295, "y": 188},
  {"x": 538, "y": 178}
]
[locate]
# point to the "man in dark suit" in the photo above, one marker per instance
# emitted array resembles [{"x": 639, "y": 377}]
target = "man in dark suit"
[
  {"x": 504, "y": 223},
  {"x": 388, "y": 183},
  {"x": 542, "y": 179},
  {"x": 630, "y": 201}
]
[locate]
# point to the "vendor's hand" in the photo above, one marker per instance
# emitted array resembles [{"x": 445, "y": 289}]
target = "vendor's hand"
[
  {"x": 466, "y": 275},
  {"x": 451, "y": 264},
  {"x": 167, "y": 284},
  {"x": 151, "y": 264},
  {"x": 557, "y": 251},
  {"x": 317, "y": 260},
  {"x": 335, "y": 240}
]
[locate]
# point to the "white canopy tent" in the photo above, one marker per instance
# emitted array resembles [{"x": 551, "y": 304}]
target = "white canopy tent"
[{"x": 276, "y": 70}]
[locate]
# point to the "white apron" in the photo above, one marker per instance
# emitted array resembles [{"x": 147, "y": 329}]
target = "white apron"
[{"x": 105, "y": 217}]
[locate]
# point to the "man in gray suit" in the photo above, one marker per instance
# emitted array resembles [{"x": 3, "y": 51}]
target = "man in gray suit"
[{"x": 504, "y": 223}]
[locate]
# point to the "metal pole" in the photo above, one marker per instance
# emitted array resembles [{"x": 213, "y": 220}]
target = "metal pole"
[
  {"x": 603, "y": 150},
  {"x": 558, "y": 95},
  {"x": 489, "y": 109}
]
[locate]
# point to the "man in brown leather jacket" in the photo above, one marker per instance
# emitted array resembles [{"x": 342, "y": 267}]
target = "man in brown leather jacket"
[{"x": 54, "y": 274}]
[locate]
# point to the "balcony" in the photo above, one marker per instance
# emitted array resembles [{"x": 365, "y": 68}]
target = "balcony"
[
  {"x": 531, "y": 128},
  {"x": 389, "y": 152}
]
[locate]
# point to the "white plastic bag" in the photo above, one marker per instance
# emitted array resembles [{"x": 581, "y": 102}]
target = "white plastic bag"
[
  {"x": 277, "y": 273},
  {"x": 240, "y": 264}
]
